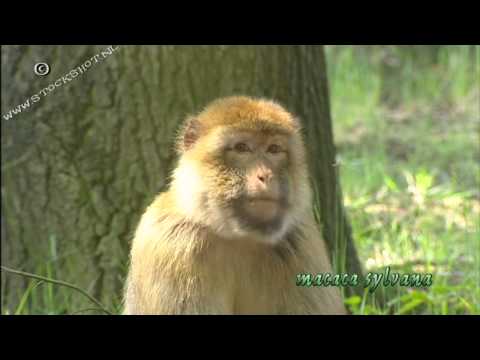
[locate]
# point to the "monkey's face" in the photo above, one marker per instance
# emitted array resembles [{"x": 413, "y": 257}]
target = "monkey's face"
[
  {"x": 248, "y": 178},
  {"x": 242, "y": 170}
]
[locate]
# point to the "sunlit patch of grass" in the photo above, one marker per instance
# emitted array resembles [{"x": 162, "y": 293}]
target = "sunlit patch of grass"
[
  {"x": 410, "y": 176},
  {"x": 422, "y": 228}
]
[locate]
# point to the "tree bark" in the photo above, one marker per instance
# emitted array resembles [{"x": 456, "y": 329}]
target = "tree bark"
[{"x": 80, "y": 165}]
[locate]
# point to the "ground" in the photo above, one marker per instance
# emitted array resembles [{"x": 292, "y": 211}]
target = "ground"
[{"x": 410, "y": 174}]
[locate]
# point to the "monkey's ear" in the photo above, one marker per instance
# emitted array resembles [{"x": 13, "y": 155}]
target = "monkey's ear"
[{"x": 189, "y": 135}]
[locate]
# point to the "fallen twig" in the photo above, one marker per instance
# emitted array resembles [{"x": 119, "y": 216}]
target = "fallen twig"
[{"x": 58, "y": 282}]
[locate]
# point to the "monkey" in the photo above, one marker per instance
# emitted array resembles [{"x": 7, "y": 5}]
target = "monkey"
[{"x": 236, "y": 224}]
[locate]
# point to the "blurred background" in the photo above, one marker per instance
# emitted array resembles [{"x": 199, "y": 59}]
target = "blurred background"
[{"x": 406, "y": 128}]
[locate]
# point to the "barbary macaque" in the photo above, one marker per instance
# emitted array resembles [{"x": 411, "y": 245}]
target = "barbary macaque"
[{"x": 236, "y": 225}]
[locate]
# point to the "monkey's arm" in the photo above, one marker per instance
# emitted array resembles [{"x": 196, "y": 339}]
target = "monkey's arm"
[
  {"x": 165, "y": 289},
  {"x": 328, "y": 299},
  {"x": 167, "y": 274},
  {"x": 169, "y": 297}
]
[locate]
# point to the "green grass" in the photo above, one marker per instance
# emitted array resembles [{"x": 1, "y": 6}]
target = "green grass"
[
  {"x": 45, "y": 298},
  {"x": 410, "y": 174}
]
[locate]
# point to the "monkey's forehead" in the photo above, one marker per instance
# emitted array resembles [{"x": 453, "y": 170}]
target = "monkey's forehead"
[{"x": 249, "y": 114}]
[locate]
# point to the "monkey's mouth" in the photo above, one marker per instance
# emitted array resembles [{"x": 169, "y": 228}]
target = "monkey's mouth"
[
  {"x": 254, "y": 199},
  {"x": 262, "y": 208},
  {"x": 260, "y": 213}
]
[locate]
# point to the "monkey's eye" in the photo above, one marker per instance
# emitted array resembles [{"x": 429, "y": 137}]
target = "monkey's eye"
[
  {"x": 241, "y": 147},
  {"x": 274, "y": 149}
]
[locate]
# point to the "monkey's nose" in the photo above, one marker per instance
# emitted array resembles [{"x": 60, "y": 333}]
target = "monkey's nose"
[{"x": 264, "y": 177}]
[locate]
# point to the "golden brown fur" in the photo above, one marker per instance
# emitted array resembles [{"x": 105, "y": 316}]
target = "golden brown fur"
[{"x": 191, "y": 255}]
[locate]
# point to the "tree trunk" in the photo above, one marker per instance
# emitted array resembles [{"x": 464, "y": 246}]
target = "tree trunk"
[{"x": 80, "y": 164}]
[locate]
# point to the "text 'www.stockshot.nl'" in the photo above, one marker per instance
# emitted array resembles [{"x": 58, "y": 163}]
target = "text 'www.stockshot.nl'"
[{"x": 43, "y": 69}]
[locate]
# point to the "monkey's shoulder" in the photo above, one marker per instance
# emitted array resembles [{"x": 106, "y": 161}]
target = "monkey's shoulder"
[
  {"x": 161, "y": 223},
  {"x": 161, "y": 210},
  {"x": 162, "y": 202}
]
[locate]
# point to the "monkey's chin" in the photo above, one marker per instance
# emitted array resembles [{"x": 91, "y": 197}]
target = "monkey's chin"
[
  {"x": 262, "y": 210},
  {"x": 260, "y": 219}
]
